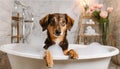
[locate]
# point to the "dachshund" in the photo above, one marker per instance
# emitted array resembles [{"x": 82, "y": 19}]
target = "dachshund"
[{"x": 57, "y": 25}]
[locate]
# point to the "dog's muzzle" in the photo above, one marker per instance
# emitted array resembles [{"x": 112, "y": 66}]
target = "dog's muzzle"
[{"x": 57, "y": 32}]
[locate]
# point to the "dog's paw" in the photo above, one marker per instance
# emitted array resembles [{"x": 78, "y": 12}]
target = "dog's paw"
[
  {"x": 48, "y": 59},
  {"x": 72, "y": 54}
]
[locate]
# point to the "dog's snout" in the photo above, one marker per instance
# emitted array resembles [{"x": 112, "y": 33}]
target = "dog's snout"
[{"x": 58, "y": 32}]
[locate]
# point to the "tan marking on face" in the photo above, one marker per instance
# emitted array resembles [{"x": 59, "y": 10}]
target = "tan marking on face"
[
  {"x": 61, "y": 19},
  {"x": 63, "y": 28},
  {"x": 52, "y": 29},
  {"x": 53, "y": 36},
  {"x": 55, "y": 19}
]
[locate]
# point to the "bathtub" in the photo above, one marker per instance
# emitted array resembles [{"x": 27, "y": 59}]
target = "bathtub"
[{"x": 93, "y": 56}]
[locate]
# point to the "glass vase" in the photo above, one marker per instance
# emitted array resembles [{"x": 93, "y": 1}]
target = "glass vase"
[{"x": 104, "y": 29}]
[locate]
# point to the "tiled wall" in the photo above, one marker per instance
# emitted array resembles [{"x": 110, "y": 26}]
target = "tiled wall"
[{"x": 5, "y": 29}]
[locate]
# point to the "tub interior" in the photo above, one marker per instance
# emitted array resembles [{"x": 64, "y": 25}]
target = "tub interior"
[{"x": 93, "y": 50}]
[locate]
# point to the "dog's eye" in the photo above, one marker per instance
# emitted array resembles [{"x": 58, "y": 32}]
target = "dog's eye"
[
  {"x": 52, "y": 22},
  {"x": 63, "y": 23}
]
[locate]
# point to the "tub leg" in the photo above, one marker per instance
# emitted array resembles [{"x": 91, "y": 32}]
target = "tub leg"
[{"x": 48, "y": 59}]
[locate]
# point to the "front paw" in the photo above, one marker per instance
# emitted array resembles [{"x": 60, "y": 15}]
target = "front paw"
[
  {"x": 72, "y": 54},
  {"x": 48, "y": 59}
]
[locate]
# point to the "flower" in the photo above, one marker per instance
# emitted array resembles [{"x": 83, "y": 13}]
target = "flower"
[
  {"x": 97, "y": 12},
  {"x": 110, "y": 9},
  {"x": 103, "y": 14},
  {"x": 95, "y": 6},
  {"x": 92, "y": 9},
  {"x": 99, "y": 6}
]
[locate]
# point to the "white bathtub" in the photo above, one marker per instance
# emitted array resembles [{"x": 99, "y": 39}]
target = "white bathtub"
[{"x": 93, "y": 56}]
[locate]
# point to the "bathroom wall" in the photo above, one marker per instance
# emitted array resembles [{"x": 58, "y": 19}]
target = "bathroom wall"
[
  {"x": 40, "y": 8},
  {"x": 5, "y": 21},
  {"x": 114, "y": 21},
  {"x": 5, "y": 29}
]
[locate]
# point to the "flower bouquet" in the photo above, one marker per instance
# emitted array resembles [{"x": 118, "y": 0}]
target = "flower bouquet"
[{"x": 102, "y": 16}]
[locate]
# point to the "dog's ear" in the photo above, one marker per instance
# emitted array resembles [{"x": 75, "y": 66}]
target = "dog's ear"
[
  {"x": 44, "y": 22},
  {"x": 70, "y": 22}
]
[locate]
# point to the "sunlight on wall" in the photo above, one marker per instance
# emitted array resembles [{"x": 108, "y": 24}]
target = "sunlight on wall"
[{"x": 83, "y": 3}]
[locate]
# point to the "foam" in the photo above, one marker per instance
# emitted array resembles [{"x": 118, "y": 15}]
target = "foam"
[
  {"x": 56, "y": 50},
  {"x": 92, "y": 49}
]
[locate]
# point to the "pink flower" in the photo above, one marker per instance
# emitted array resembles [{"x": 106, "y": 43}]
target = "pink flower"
[
  {"x": 95, "y": 6},
  {"x": 92, "y": 9},
  {"x": 110, "y": 9},
  {"x": 103, "y": 14},
  {"x": 99, "y": 6}
]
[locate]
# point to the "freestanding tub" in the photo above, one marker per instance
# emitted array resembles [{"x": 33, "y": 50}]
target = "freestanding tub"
[{"x": 93, "y": 56}]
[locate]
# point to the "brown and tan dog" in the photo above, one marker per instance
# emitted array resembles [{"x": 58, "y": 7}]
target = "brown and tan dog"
[{"x": 57, "y": 25}]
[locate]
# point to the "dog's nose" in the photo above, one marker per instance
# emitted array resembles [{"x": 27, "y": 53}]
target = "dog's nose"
[{"x": 58, "y": 32}]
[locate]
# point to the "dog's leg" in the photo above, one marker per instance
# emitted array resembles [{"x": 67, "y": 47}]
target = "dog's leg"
[
  {"x": 48, "y": 59},
  {"x": 71, "y": 53}
]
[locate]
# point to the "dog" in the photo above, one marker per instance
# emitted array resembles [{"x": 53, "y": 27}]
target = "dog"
[{"x": 57, "y": 25}]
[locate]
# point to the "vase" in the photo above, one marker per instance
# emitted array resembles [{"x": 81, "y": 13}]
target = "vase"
[{"x": 104, "y": 29}]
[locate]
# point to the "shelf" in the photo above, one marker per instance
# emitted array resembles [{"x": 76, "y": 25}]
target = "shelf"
[
  {"x": 90, "y": 24},
  {"x": 28, "y": 21},
  {"x": 16, "y": 18},
  {"x": 85, "y": 35},
  {"x": 16, "y": 36},
  {"x": 88, "y": 38},
  {"x": 87, "y": 17}
]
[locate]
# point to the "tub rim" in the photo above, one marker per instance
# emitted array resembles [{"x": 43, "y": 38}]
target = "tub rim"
[{"x": 11, "y": 52}]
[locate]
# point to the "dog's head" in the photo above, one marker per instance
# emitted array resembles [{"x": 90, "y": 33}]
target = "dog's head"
[{"x": 56, "y": 23}]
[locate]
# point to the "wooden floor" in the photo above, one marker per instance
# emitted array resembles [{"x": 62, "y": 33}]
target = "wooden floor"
[{"x": 113, "y": 66}]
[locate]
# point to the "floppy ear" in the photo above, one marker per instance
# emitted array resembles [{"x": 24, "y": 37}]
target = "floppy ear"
[
  {"x": 44, "y": 22},
  {"x": 70, "y": 22}
]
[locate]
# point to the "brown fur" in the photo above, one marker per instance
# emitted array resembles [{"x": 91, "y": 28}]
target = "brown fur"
[
  {"x": 72, "y": 54},
  {"x": 51, "y": 30},
  {"x": 48, "y": 58},
  {"x": 57, "y": 25}
]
